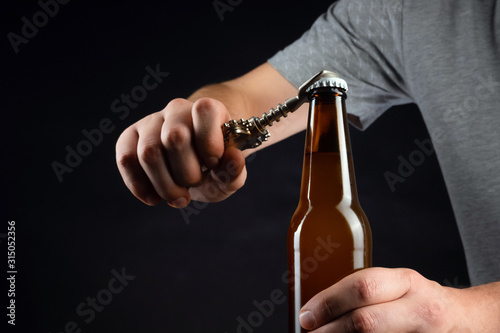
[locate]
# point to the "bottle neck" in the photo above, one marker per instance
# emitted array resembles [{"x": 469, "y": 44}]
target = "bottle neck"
[{"x": 328, "y": 173}]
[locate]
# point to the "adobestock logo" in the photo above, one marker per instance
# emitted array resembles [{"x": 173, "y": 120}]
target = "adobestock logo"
[
  {"x": 223, "y": 6},
  {"x": 408, "y": 165},
  {"x": 310, "y": 264},
  {"x": 30, "y": 28},
  {"x": 264, "y": 309},
  {"x": 88, "y": 309},
  {"x": 94, "y": 137}
]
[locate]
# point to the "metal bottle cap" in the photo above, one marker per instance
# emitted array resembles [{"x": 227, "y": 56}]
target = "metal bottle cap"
[
  {"x": 251, "y": 133},
  {"x": 328, "y": 79}
]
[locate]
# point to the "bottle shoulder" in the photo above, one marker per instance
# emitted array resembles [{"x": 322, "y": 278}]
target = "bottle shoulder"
[{"x": 330, "y": 218}]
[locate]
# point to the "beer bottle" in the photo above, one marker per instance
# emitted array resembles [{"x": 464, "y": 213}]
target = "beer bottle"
[{"x": 329, "y": 236}]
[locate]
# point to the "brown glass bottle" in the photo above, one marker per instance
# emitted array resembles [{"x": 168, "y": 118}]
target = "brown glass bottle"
[{"x": 329, "y": 236}]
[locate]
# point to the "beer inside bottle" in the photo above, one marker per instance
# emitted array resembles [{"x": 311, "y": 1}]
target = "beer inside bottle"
[{"x": 329, "y": 236}]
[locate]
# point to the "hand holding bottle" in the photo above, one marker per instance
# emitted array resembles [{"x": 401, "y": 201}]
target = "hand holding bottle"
[{"x": 400, "y": 300}]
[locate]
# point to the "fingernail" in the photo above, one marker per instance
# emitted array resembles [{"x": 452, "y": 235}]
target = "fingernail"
[
  {"x": 178, "y": 203},
  {"x": 307, "y": 320},
  {"x": 212, "y": 162}
]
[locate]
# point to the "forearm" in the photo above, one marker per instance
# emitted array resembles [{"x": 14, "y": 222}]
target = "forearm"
[{"x": 482, "y": 307}]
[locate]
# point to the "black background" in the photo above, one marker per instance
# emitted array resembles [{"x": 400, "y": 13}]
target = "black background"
[{"x": 196, "y": 273}]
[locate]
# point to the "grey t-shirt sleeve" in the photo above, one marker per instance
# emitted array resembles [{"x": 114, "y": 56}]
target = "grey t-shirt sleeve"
[{"x": 361, "y": 41}]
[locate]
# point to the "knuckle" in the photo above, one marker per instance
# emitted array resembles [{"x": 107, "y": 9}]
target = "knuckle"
[
  {"x": 206, "y": 106},
  {"x": 324, "y": 307},
  {"x": 362, "y": 321},
  {"x": 413, "y": 277},
  {"x": 177, "y": 137},
  {"x": 366, "y": 288},
  {"x": 432, "y": 312},
  {"x": 176, "y": 103},
  {"x": 143, "y": 124},
  {"x": 151, "y": 153},
  {"x": 127, "y": 160}
]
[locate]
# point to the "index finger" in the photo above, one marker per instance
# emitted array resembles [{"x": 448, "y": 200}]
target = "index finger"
[{"x": 365, "y": 287}]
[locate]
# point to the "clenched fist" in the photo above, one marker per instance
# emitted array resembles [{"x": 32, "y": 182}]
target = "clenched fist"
[{"x": 160, "y": 156}]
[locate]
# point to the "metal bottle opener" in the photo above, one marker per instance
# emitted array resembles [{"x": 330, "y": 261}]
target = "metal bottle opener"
[{"x": 251, "y": 133}]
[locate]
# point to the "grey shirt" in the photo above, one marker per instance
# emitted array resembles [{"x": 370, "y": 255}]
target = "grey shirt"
[{"x": 445, "y": 57}]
